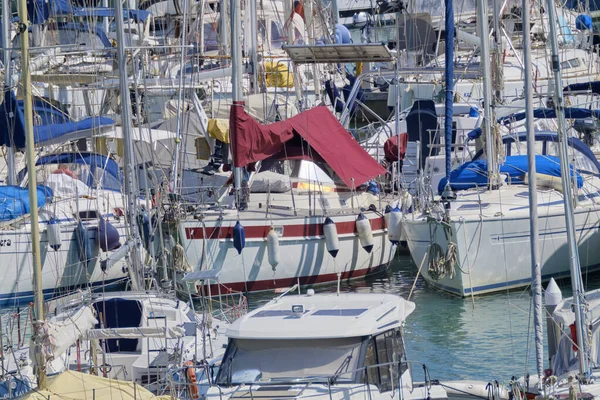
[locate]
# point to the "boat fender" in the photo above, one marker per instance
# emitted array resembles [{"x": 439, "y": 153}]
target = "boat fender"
[
  {"x": 407, "y": 203},
  {"x": 386, "y": 215},
  {"x": 395, "y": 226},
  {"x": 332, "y": 241},
  {"x": 190, "y": 375},
  {"x": 273, "y": 248},
  {"x": 108, "y": 236},
  {"x": 145, "y": 228},
  {"x": 365, "y": 234},
  {"x": 239, "y": 237},
  {"x": 84, "y": 244},
  {"x": 53, "y": 232}
]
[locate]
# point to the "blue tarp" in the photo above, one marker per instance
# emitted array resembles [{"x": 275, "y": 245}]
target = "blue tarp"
[
  {"x": 570, "y": 113},
  {"x": 110, "y": 180},
  {"x": 136, "y": 15},
  {"x": 544, "y": 137},
  {"x": 474, "y": 173},
  {"x": 14, "y": 201},
  {"x": 13, "y": 121}
]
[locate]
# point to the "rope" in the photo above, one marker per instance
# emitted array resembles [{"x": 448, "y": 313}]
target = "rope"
[
  {"x": 442, "y": 264},
  {"x": 418, "y": 273}
]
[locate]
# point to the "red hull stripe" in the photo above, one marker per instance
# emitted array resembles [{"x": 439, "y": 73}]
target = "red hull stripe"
[
  {"x": 271, "y": 284},
  {"x": 260, "y": 232}
]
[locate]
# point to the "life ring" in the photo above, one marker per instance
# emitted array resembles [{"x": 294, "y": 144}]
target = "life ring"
[{"x": 190, "y": 375}]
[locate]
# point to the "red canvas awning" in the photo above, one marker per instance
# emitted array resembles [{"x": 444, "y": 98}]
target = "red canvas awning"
[{"x": 251, "y": 141}]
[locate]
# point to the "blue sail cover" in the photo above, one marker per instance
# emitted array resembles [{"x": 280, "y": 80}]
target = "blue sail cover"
[
  {"x": 570, "y": 113},
  {"x": 14, "y": 201},
  {"x": 474, "y": 173},
  {"x": 593, "y": 86},
  {"x": 12, "y": 123}
]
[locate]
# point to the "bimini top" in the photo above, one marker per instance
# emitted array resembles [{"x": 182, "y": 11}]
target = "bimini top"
[{"x": 323, "y": 316}]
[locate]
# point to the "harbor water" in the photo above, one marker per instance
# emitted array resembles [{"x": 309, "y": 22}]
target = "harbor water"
[{"x": 485, "y": 338}]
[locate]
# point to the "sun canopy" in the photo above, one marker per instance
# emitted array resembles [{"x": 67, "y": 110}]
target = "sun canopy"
[{"x": 318, "y": 127}]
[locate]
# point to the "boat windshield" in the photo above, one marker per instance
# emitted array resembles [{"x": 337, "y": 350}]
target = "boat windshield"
[{"x": 258, "y": 360}]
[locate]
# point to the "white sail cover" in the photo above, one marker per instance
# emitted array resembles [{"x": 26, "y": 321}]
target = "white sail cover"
[
  {"x": 64, "y": 330},
  {"x": 171, "y": 332}
]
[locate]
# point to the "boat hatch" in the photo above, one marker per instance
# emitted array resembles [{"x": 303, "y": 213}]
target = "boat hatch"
[{"x": 341, "y": 312}]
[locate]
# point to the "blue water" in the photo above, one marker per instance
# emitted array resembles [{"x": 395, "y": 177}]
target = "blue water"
[{"x": 488, "y": 338}]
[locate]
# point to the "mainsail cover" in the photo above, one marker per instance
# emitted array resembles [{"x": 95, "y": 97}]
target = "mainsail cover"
[{"x": 251, "y": 142}]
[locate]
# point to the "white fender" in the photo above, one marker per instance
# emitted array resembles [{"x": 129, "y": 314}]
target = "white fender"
[
  {"x": 407, "y": 203},
  {"x": 332, "y": 242},
  {"x": 273, "y": 248},
  {"x": 365, "y": 234},
  {"x": 53, "y": 232},
  {"x": 394, "y": 226}
]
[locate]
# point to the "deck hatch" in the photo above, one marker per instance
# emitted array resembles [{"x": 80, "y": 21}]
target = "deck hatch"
[{"x": 341, "y": 312}]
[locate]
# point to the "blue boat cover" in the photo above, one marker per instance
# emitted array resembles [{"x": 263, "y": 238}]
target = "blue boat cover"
[
  {"x": 593, "y": 86},
  {"x": 12, "y": 121},
  {"x": 570, "y": 113},
  {"x": 111, "y": 179},
  {"x": 474, "y": 173},
  {"x": 136, "y": 15},
  {"x": 14, "y": 201}
]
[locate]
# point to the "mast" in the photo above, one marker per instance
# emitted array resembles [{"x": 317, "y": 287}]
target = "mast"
[
  {"x": 536, "y": 271},
  {"x": 236, "y": 79},
  {"x": 482, "y": 16},
  {"x": 178, "y": 147},
  {"x": 448, "y": 109},
  {"x": 10, "y": 151},
  {"x": 38, "y": 303},
  {"x": 576, "y": 280},
  {"x": 223, "y": 46},
  {"x": 254, "y": 46},
  {"x": 128, "y": 165}
]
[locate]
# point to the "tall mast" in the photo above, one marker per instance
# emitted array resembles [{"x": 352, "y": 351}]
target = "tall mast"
[
  {"x": 128, "y": 164},
  {"x": 448, "y": 109},
  {"x": 576, "y": 280},
  {"x": 536, "y": 270},
  {"x": 482, "y": 16},
  {"x": 10, "y": 159},
  {"x": 38, "y": 303},
  {"x": 254, "y": 46},
  {"x": 236, "y": 78},
  {"x": 223, "y": 47}
]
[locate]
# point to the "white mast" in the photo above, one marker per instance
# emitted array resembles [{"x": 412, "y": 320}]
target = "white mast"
[
  {"x": 38, "y": 303},
  {"x": 128, "y": 165},
  {"x": 236, "y": 78},
  {"x": 536, "y": 271},
  {"x": 576, "y": 280}
]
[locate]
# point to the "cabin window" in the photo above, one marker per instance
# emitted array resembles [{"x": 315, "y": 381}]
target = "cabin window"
[
  {"x": 382, "y": 360},
  {"x": 248, "y": 361}
]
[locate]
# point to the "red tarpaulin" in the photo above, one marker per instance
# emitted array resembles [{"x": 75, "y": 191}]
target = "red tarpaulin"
[
  {"x": 390, "y": 147},
  {"x": 251, "y": 141}
]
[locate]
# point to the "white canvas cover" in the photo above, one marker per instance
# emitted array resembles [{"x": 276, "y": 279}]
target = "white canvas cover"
[
  {"x": 64, "y": 330},
  {"x": 172, "y": 332},
  {"x": 270, "y": 182},
  {"x": 73, "y": 385}
]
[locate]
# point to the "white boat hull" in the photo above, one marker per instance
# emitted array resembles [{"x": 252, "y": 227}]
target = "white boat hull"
[
  {"x": 494, "y": 252},
  {"x": 61, "y": 269},
  {"x": 302, "y": 251}
]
